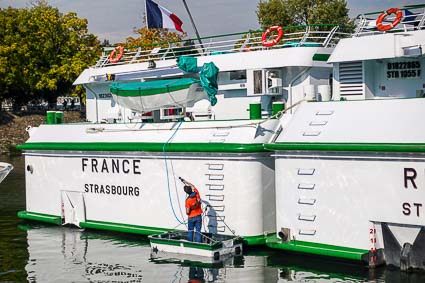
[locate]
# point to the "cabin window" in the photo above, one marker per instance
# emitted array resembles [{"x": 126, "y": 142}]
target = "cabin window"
[
  {"x": 258, "y": 81},
  {"x": 231, "y": 76},
  {"x": 238, "y": 75}
]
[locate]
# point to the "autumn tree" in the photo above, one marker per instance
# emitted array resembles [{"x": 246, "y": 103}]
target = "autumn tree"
[
  {"x": 302, "y": 12},
  {"x": 148, "y": 38},
  {"x": 42, "y": 51},
  {"x": 153, "y": 36}
]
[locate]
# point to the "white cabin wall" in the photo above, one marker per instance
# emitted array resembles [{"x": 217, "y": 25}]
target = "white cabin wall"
[
  {"x": 314, "y": 76},
  {"x": 335, "y": 82},
  {"x": 395, "y": 87},
  {"x": 297, "y": 91},
  {"x": 235, "y": 106},
  {"x": 320, "y": 76},
  {"x": 99, "y": 103},
  {"x": 370, "y": 75}
]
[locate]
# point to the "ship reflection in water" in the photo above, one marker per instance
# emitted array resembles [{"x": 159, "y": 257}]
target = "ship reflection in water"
[{"x": 61, "y": 254}]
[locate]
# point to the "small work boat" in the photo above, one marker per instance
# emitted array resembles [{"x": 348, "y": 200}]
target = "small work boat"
[
  {"x": 213, "y": 246},
  {"x": 5, "y": 169}
]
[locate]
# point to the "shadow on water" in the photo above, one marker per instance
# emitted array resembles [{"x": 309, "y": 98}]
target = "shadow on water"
[{"x": 37, "y": 252}]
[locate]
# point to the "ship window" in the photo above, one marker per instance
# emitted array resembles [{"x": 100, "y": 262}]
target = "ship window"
[
  {"x": 258, "y": 81},
  {"x": 238, "y": 75}
]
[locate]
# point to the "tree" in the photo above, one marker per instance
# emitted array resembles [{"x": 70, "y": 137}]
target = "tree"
[
  {"x": 302, "y": 12},
  {"x": 14, "y": 52},
  {"x": 153, "y": 36},
  {"x": 150, "y": 38},
  {"x": 42, "y": 51}
]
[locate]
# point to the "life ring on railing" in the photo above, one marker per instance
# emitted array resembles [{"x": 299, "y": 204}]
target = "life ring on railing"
[
  {"x": 114, "y": 57},
  {"x": 274, "y": 41},
  {"x": 247, "y": 48},
  {"x": 381, "y": 26}
]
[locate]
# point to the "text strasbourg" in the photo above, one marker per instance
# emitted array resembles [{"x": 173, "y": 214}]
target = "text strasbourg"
[{"x": 112, "y": 190}]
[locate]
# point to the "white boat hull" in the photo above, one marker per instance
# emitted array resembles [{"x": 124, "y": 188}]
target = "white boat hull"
[
  {"x": 133, "y": 188},
  {"x": 215, "y": 249},
  {"x": 343, "y": 178}
]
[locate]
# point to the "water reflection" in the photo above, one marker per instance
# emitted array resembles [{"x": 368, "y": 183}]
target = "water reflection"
[{"x": 68, "y": 254}]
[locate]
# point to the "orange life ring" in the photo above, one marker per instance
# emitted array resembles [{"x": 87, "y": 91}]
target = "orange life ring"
[
  {"x": 274, "y": 41},
  {"x": 113, "y": 57},
  {"x": 399, "y": 16}
]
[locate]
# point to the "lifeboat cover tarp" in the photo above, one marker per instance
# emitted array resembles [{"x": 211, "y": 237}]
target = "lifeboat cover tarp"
[
  {"x": 153, "y": 95},
  {"x": 208, "y": 76},
  {"x": 188, "y": 64}
]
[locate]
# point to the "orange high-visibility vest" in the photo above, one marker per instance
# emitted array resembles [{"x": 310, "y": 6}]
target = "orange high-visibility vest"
[{"x": 194, "y": 204}]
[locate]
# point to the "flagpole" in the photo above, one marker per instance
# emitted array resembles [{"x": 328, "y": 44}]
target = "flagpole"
[
  {"x": 146, "y": 14},
  {"x": 193, "y": 24}
]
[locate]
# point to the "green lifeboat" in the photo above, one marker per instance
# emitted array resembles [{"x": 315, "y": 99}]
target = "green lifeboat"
[{"x": 153, "y": 95}]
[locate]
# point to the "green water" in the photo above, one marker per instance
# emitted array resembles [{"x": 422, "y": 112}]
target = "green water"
[{"x": 34, "y": 252}]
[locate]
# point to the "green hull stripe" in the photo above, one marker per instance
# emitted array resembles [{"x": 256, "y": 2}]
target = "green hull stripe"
[
  {"x": 140, "y": 146},
  {"x": 125, "y": 228},
  {"x": 379, "y": 147},
  {"x": 53, "y": 219},
  {"x": 321, "y": 57},
  {"x": 143, "y": 230},
  {"x": 254, "y": 240},
  {"x": 317, "y": 249}
]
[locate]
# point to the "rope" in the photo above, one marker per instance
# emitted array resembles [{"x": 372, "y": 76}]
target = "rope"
[{"x": 168, "y": 177}]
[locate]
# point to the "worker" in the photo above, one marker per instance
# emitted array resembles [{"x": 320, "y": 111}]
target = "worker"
[{"x": 193, "y": 211}]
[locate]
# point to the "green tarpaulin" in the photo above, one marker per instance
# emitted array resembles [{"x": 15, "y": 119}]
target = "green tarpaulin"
[
  {"x": 208, "y": 76},
  {"x": 188, "y": 64}
]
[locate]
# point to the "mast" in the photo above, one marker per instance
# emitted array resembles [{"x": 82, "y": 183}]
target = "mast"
[
  {"x": 193, "y": 24},
  {"x": 146, "y": 14}
]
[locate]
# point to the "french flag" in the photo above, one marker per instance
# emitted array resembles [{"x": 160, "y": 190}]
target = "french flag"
[{"x": 159, "y": 17}]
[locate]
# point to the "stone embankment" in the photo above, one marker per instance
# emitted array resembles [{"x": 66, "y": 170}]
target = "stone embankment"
[{"x": 13, "y": 127}]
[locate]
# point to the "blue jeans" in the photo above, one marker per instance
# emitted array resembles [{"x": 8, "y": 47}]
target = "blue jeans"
[{"x": 194, "y": 223}]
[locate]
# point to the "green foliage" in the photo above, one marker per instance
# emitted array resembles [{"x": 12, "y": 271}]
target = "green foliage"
[
  {"x": 42, "y": 51},
  {"x": 302, "y": 12},
  {"x": 153, "y": 36}
]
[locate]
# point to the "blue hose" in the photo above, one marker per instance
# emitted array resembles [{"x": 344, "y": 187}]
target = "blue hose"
[{"x": 166, "y": 171}]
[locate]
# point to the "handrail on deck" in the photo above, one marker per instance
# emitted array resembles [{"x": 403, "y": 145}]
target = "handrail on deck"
[
  {"x": 415, "y": 20},
  {"x": 324, "y": 35}
]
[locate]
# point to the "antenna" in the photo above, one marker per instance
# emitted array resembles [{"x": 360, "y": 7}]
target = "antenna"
[
  {"x": 146, "y": 14},
  {"x": 193, "y": 24}
]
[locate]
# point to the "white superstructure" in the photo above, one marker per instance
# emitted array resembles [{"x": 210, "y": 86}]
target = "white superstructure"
[
  {"x": 350, "y": 172},
  {"x": 120, "y": 170}
]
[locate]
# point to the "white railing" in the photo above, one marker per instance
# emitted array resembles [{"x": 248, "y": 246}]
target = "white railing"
[
  {"x": 299, "y": 36},
  {"x": 413, "y": 19}
]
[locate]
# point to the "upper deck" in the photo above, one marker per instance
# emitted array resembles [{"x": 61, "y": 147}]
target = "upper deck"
[
  {"x": 237, "y": 51},
  {"x": 413, "y": 18},
  {"x": 368, "y": 42}
]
